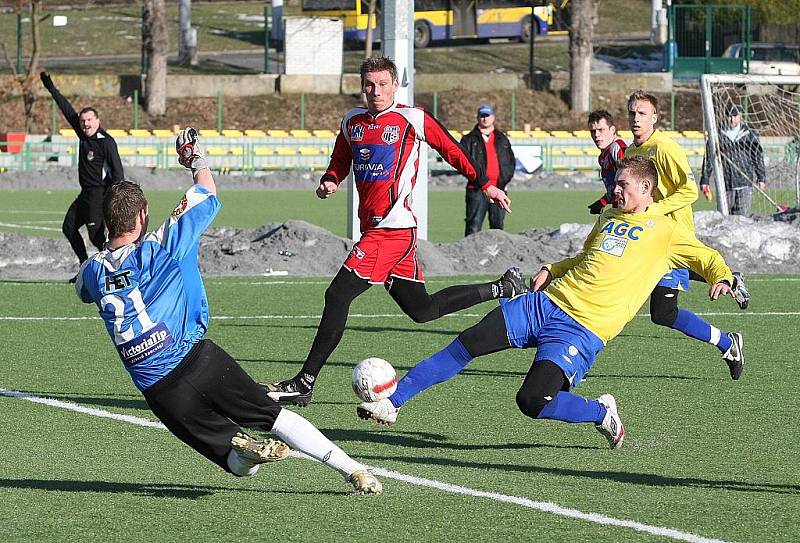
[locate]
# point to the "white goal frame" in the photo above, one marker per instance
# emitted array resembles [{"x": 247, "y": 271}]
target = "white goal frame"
[{"x": 706, "y": 81}]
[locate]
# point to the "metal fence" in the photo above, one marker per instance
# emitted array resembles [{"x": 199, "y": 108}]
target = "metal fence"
[{"x": 249, "y": 155}]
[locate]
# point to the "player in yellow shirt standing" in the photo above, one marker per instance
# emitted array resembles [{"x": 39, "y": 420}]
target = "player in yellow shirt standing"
[
  {"x": 677, "y": 191},
  {"x": 589, "y": 300}
]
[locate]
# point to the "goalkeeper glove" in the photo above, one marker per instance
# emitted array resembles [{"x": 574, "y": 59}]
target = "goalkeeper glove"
[
  {"x": 707, "y": 192},
  {"x": 190, "y": 154},
  {"x": 595, "y": 208}
]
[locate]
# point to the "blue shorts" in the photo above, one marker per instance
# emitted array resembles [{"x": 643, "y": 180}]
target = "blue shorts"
[
  {"x": 533, "y": 320},
  {"x": 676, "y": 279}
]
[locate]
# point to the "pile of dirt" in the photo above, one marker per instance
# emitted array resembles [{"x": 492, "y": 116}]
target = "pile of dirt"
[
  {"x": 66, "y": 177},
  {"x": 297, "y": 248}
]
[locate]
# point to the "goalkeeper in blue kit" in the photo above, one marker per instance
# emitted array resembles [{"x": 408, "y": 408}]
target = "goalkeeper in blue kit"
[
  {"x": 576, "y": 307},
  {"x": 150, "y": 295}
]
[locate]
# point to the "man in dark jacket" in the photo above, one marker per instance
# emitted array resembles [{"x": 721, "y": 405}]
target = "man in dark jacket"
[
  {"x": 742, "y": 163},
  {"x": 99, "y": 166},
  {"x": 491, "y": 150}
]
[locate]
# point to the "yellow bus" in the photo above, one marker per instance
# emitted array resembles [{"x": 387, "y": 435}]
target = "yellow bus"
[{"x": 443, "y": 20}]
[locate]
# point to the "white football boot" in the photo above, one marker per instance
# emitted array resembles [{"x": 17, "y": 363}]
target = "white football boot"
[
  {"x": 381, "y": 411},
  {"x": 611, "y": 427}
]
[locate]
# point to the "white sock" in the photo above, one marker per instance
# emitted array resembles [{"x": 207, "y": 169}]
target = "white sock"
[
  {"x": 242, "y": 467},
  {"x": 716, "y": 335},
  {"x": 300, "y": 434}
]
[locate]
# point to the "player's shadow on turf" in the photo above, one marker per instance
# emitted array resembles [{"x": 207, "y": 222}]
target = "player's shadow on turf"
[
  {"x": 663, "y": 337},
  {"x": 187, "y": 492},
  {"x": 401, "y": 369},
  {"x": 646, "y": 377},
  {"x": 134, "y": 402},
  {"x": 642, "y": 479},
  {"x": 419, "y": 440},
  {"x": 378, "y": 329},
  {"x": 152, "y": 490}
]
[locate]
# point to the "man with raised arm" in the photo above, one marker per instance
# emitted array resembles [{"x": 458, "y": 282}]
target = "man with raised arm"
[{"x": 150, "y": 295}]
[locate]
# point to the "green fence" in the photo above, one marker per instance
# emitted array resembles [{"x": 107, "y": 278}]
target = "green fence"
[{"x": 699, "y": 35}]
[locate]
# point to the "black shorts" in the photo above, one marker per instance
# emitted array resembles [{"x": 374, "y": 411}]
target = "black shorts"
[{"x": 207, "y": 398}]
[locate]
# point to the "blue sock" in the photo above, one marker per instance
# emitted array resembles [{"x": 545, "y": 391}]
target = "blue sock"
[
  {"x": 693, "y": 326},
  {"x": 438, "y": 368},
  {"x": 569, "y": 407}
]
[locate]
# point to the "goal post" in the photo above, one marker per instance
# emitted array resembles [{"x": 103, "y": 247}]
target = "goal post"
[{"x": 770, "y": 108}]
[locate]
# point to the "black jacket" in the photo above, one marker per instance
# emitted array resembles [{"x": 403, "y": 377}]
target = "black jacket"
[
  {"x": 474, "y": 146},
  {"x": 99, "y": 165},
  {"x": 742, "y": 159}
]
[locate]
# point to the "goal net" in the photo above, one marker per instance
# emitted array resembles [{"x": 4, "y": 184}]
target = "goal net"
[{"x": 769, "y": 109}]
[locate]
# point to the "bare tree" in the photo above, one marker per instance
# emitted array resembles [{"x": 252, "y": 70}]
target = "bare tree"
[
  {"x": 370, "y": 37},
  {"x": 156, "y": 43},
  {"x": 27, "y": 82},
  {"x": 583, "y": 15}
]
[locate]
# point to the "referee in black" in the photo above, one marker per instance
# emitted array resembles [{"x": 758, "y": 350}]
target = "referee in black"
[{"x": 99, "y": 166}]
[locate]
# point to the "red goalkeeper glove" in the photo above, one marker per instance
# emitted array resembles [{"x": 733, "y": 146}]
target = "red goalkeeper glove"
[{"x": 707, "y": 192}]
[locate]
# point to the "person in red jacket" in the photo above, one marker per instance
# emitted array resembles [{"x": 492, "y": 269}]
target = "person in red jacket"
[
  {"x": 490, "y": 148},
  {"x": 612, "y": 150},
  {"x": 381, "y": 142}
]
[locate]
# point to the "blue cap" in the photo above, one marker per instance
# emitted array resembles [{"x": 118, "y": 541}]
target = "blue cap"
[{"x": 485, "y": 110}]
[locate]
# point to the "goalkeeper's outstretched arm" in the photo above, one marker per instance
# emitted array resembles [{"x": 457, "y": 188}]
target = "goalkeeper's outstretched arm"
[{"x": 191, "y": 156}]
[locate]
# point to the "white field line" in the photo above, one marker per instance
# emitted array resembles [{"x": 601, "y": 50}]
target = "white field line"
[
  {"x": 750, "y": 314},
  {"x": 546, "y": 507},
  {"x": 26, "y": 227}
]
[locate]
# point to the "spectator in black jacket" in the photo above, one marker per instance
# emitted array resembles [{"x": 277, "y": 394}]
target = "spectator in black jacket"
[
  {"x": 491, "y": 150},
  {"x": 742, "y": 163},
  {"x": 99, "y": 166}
]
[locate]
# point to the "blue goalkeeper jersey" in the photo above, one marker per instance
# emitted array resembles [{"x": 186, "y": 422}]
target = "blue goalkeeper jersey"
[{"x": 150, "y": 294}]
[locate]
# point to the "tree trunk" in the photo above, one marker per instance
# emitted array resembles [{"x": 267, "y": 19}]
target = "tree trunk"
[
  {"x": 581, "y": 35},
  {"x": 156, "y": 44},
  {"x": 29, "y": 80},
  {"x": 370, "y": 37}
]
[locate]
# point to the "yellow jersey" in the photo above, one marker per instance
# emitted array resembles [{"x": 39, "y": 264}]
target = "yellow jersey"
[
  {"x": 677, "y": 189},
  {"x": 623, "y": 258}
]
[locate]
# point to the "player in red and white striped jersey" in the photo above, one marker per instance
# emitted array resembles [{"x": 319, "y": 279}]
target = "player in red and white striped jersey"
[{"x": 381, "y": 143}]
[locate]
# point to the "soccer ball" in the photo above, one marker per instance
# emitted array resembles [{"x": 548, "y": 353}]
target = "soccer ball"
[{"x": 374, "y": 379}]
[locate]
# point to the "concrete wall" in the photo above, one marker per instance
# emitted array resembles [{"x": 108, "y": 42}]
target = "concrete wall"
[
  {"x": 259, "y": 84},
  {"x": 659, "y": 82}
]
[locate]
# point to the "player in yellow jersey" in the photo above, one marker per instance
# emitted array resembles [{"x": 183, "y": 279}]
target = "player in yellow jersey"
[
  {"x": 588, "y": 300},
  {"x": 677, "y": 191}
]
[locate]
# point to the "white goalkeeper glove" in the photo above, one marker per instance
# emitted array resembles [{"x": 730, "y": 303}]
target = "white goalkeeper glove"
[{"x": 190, "y": 154}]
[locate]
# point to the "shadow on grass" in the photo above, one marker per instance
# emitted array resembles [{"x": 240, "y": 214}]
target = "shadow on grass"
[
  {"x": 423, "y": 440},
  {"x": 190, "y": 492},
  {"x": 153, "y": 490},
  {"x": 642, "y": 479},
  {"x": 399, "y": 367},
  {"x": 379, "y": 329}
]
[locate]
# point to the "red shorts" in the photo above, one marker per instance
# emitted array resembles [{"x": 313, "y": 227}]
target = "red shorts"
[{"x": 381, "y": 253}]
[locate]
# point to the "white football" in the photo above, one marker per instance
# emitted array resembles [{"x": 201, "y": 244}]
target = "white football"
[{"x": 374, "y": 379}]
